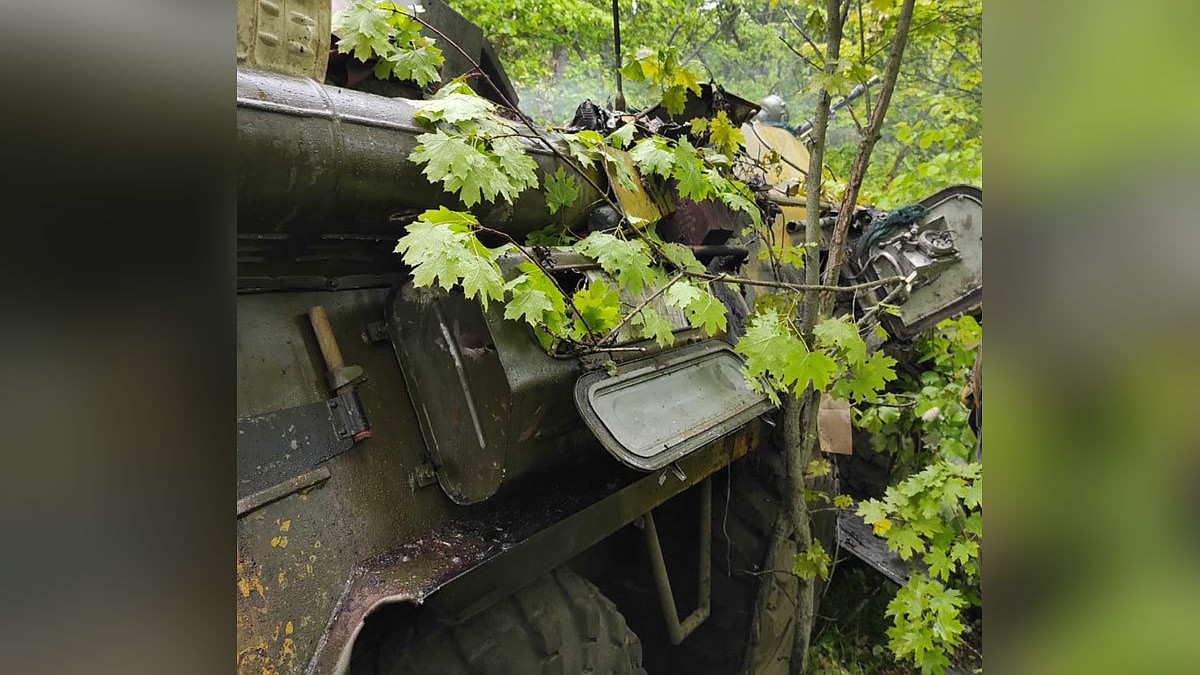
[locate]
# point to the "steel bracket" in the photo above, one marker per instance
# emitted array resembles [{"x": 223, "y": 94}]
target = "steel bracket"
[{"x": 678, "y": 630}]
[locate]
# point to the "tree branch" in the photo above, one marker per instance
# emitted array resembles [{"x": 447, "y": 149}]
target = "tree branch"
[
  {"x": 510, "y": 105},
  {"x": 533, "y": 259},
  {"x": 862, "y": 156},
  {"x": 744, "y": 281},
  {"x": 624, "y": 320}
]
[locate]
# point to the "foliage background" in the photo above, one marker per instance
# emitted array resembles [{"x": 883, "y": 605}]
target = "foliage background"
[{"x": 560, "y": 52}]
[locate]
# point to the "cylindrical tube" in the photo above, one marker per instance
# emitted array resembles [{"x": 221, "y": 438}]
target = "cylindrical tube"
[{"x": 314, "y": 158}]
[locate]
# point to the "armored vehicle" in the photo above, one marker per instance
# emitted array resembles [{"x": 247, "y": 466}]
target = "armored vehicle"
[{"x": 421, "y": 487}]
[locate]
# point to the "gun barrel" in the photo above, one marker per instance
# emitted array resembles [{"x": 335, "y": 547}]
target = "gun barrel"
[{"x": 314, "y": 158}]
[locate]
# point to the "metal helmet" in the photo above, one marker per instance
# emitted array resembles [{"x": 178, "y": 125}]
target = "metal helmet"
[{"x": 774, "y": 110}]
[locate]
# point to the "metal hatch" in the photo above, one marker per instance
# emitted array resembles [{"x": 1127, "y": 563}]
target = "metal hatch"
[{"x": 656, "y": 410}]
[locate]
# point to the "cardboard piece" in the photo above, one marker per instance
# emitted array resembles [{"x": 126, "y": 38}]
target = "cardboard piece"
[{"x": 833, "y": 426}]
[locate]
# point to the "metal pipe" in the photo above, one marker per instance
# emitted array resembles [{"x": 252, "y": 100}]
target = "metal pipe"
[
  {"x": 678, "y": 630},
  {"x": 315, "y": 158}
]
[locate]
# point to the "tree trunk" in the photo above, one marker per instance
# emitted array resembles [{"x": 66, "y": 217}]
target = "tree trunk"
[{"x": 799, "y": 412}]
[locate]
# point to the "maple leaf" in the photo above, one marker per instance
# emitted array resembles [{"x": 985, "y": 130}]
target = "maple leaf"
[
  {"x": 872, "y": 511},
  {"x": 870, "y": 376},
  {"x": 814, "y": 561},
  {"x": 699, "y": 126},
  {"x": 363, "y": 30},
  {"x": 652, "y": 325},
  {"x": 707, "y": 313},
  {"x": 838, "y": 333},
  {"x": 450, "y": 160},
  {"x": 653, "y": 157},
  {"x": 529, "y": 304},
  {"x": 479, "y": 276},
  {"x": 452, "y": 105},
  {"x": 517, "y": 168},
  {"x": 673, "y": 99},
  {"x": 681, "y": 294},
  {"x": 767, "y": 346},
  {"x": 812, "y": 366},
  {"x": 843, "y": 501},
  {"x": 441, "y": 249},
  {"x": 419, "y": 63},
  {"x": 625, "y": 260},
  {"x": 581, "y": 149},
  {"x": 689, "y": 171},
  {"x": 615, "y": 164},
  {"x": 905, "y": 541},
  {"x": 744, "y": 204},
  {"x": 724, "y": 135},
  {"x": 561, "y": 190},
  {"x": 624, "y": 135},
  {"x": 599, "y": 306},
  {"x": 681, "y": 256},
  {"x": 939, "y": 563}
]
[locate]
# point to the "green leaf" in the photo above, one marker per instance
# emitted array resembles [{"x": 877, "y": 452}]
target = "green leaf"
[
  {"x": 687, "y": 168},
  {"x": 939, "y": 563},
  {"x": 517, "y": 169},
  {"x": 599, "y": 306},
  {"x": 905, "y": 542},
  {"x": 699, "y": 126},
  {"x": 746, "y": 205},
  {"x": 627, "y": 261},
  {"x": 726, "y": 137},
  {"x": 673, "y": 99},
  {"x": 624, "y": 174},
  {"x": 872, "y": 511},
  {"x": 964, "y": 550},
  {"x": 841, "y": 334},
  {"x": 363, "y": 29},
  {"x": 706, "y": 313},
  {"x": 681, "y": 294},
  {"x": 818, "y": 467},
  {"x": 813, "y": 562},
  {"x": 843, "y": 501},
  {"x": 681, "y": 256},
  {"x": 650, "y": 324},
  {"x": 454, "y": 106},
  {"x": 653, "y": 157},
  {"x": 812, "y": 366},
  {"x": 528, "y": 304},
  {"x": 479, "y": 274},
  {"x": 419, "y": 63},
  {"x": 561, "y": 190},
  {"x": 624, "y": 135},
  {"x": 870, "y": 376},
  {"x": 459, "y": 166},
  {"x": 441, "y": 249},
  {"x": 974, "y": 494}
]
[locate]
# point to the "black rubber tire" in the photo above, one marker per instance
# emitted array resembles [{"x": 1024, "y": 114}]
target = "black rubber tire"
[{"x": 559, "y": 625}]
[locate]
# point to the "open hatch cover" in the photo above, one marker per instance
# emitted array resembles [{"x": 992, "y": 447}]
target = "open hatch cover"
[{"x": 656, "y": 410}]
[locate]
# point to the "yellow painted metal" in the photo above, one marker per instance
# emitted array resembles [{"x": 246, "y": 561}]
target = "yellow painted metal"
[
  {"x": 284, "y": 36},
  {"x": 785, "y": 162},
  {"x": 637, "y": 202}
]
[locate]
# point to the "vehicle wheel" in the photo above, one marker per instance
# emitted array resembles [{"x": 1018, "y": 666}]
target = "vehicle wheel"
[{"x": 559, "y": 624}]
